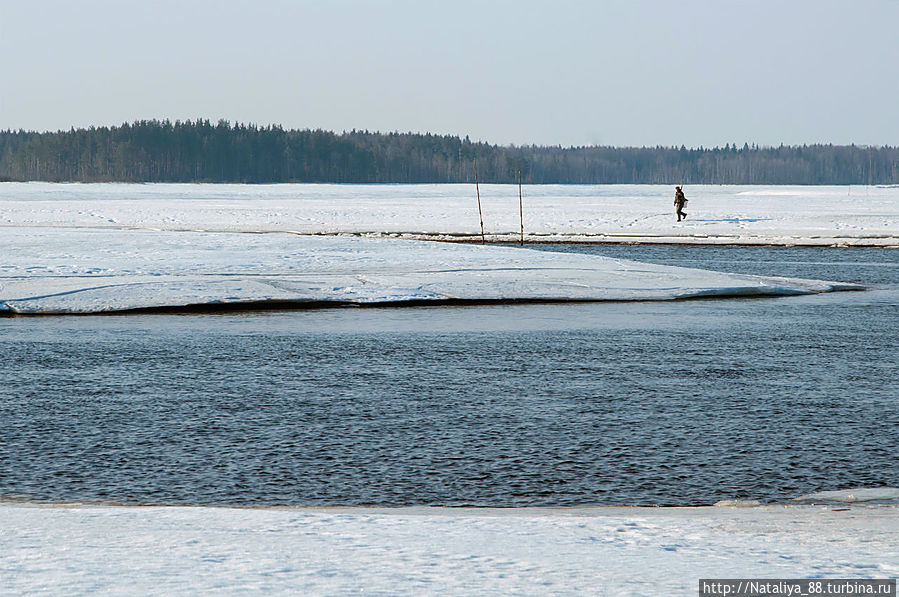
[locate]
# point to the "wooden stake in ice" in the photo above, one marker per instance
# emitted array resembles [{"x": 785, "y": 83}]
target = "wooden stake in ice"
[
  {"x": 478, "y": 190},
  {"x": 520, "y": 208}
]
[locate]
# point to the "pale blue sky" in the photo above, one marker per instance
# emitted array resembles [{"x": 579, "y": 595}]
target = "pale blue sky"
[{"x": 618, "y": 72}]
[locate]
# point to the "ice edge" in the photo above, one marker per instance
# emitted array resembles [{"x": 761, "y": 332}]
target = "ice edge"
[{"x": 230, "y": 306}]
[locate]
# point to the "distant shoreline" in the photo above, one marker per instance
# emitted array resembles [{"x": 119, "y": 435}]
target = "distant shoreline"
[
  {"x": 222, "y": 152},
  {"x": 411, "y": 184}
]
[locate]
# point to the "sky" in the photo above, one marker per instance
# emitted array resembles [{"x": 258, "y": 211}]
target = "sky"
[{"x": 560, "y": 72}]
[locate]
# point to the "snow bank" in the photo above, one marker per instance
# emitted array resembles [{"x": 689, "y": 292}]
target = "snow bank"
[
  {"x": 782, "y": 215},
  {"x": 88, "y": 550},
  {"x": 56, "y": 270}
]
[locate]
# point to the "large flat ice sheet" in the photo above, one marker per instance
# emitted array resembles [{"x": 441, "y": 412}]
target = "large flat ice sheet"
[
  {"x": 64, "y": 270},
  {"x": 777, "y": 215},
  {"x": 90, "y": 550}
]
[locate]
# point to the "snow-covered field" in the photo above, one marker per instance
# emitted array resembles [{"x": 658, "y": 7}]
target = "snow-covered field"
[
  {"x": 107, "y": 247},
  {"x": 109, "y": 550},
  {"x": 784, "y": 215}
]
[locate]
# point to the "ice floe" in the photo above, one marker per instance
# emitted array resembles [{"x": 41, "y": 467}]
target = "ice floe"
[
  {"x": 880, "y": 495},
  {"x": 64, "y": 270}
]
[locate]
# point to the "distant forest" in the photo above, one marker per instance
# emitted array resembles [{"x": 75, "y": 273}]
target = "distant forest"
[{"x": 202, "y": 151}]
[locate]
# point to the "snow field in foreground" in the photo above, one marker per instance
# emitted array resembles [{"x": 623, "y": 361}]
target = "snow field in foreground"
[{"x": 88, "y": 550}]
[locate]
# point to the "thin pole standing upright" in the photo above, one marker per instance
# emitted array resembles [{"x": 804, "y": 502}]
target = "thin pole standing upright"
[
  {"x": 478, "y": 190},
  {"x": 520, "y": 208}
]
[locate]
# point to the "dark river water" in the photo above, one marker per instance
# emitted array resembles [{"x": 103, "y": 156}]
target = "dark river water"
[{"x": 667, "y": 403}]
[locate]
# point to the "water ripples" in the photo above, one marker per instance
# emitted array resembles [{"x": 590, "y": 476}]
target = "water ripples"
[{"x": 666, "y": 404}]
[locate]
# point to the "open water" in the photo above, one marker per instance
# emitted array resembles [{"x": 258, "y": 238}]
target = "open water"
[{"x": 675, "y": 403}]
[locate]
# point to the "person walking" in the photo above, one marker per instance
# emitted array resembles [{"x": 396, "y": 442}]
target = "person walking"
[{"x": 680, "y": 200}]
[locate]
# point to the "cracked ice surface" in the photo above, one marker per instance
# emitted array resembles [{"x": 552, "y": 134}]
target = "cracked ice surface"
[{"x": 65, "y": 270}]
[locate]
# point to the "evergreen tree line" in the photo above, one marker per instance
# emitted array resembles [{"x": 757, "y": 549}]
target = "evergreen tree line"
[{"x": 201, "y": 151}]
